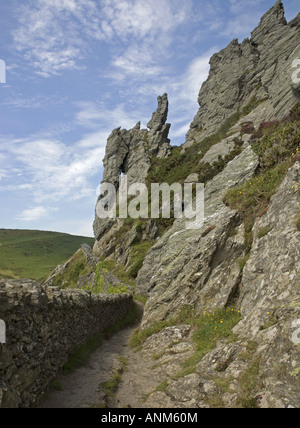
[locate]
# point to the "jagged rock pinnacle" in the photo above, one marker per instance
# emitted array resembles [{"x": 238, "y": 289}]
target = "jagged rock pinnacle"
[
  {"x": 159, "y": 117},
  {"x": 130, "y": 152},
  {"x": 270, "y": 21},
  {"x": 258, "y": 69}
]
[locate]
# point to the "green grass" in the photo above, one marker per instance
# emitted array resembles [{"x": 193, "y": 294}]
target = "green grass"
[
  {"x": 111, "y": 386},
  {"x": 77, "y": 267},
  {"x": 137, "y": 256},
  {"x": 249, "y": 381},
  {"x": 118, "y": 271},
  {"x": 210, "y": 328},
  {"x": 35, "y": 254},
  {"x": 81, "y": 355}
]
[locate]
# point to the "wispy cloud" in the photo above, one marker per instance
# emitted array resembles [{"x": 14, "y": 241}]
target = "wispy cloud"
[
  {"x": 92, "y": 115},
  {"x": 35, "y": 214},
  {"x": 49, "y": 170},
  {"x": 49, "y": 33},
  {"x": 54, "y": 35}
]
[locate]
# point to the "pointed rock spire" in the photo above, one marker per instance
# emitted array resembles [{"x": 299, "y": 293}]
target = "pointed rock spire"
[
  {"x": 159, "y": 117},
  {"x": 272, "y": 20}
]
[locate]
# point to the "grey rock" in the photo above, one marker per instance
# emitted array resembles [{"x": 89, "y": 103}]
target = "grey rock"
[
  {"x": 130, "y": 153},
  {"x": 260, "y": 68},
  {"x": 271, "y": 276},
  {"x": 198, "y": 267},
  {"x": 159, "y": 117}
]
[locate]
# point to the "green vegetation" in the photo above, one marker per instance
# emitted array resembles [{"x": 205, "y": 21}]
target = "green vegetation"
[
  {"x": 278, "y": 149},
  {"x": 110, "y": 387},
  {"x": 252, "y": 199},
  {"x": 177, "y": 167},
  {"x": 243, "y": 261},
  {"x": 208, "y": 329},
  {"x": 77, "y": 267},
  {"x": 279, "y": 142},
  {"x": 263, "y": 231},
  {"x": 248, "y": 382},
  {"x": 35, "y": 254},
  {"x": 110, "y": 266},
  {"x": 137, "y": 256}
]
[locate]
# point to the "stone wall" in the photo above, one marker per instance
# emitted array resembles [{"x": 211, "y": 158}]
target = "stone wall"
[{"x": 44, "y": 325}]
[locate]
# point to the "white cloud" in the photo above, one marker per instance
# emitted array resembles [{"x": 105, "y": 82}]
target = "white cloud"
[
  {"x": 35, "y": 214},
  {"x": 54, "y": 35},
  {"x": 49, "y": 33},
  {"x": 49, "y": 170},
  {"x": 92, "y": 115},
  {"x": 144, "y": 18}
]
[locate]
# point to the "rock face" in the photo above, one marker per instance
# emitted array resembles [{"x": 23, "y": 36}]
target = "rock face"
[
  {"x": 188, "y": 267},
  {"x": 130, "y": 153},
  {"x": 257, "y": 69},
  {"x": 225, "y": 311}
]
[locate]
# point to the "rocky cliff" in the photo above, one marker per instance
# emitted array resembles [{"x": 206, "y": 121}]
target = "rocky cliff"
[
  {"x": 222, "y": 317},
  {"x": 244, "y": 145},
  {"x": 257, "y": 69}
]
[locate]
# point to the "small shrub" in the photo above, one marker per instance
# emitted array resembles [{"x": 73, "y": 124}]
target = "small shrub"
[{"x": 248, "y": 128}]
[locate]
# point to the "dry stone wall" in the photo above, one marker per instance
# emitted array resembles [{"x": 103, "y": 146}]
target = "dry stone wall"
[{"x": 44, "y": 325}]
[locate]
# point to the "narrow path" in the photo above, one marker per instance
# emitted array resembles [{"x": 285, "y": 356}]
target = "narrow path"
[
  {"x": 82, "y": 388},
  {"x": 146, "y": 373}
]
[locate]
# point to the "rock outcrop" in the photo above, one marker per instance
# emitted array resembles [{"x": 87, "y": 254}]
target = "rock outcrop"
[
  {"x": 259, "y": 365},
  {"x": 223, "y": 300},
  {"x": 130, "y": 153},
  {"x": 258, "y": 70},
  {"x": 198, "y": 267}
]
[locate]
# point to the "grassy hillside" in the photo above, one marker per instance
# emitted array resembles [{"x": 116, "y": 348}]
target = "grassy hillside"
[{"x": 34, "y": 254}]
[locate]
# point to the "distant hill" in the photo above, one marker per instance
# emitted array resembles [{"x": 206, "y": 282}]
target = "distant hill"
[{"x": 34, "y": 254}]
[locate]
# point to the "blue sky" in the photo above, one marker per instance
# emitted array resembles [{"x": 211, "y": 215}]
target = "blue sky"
[{"x": 77, "y": 69}]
